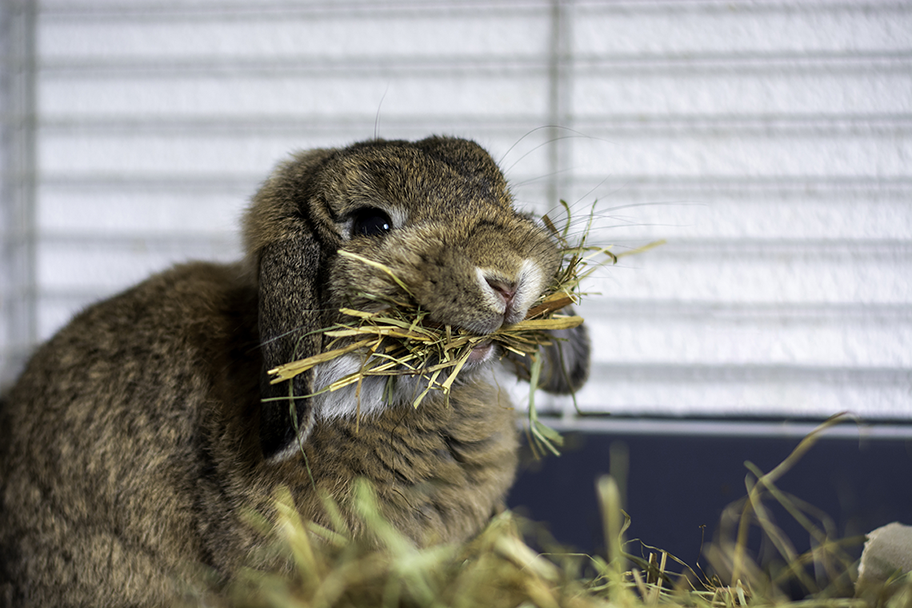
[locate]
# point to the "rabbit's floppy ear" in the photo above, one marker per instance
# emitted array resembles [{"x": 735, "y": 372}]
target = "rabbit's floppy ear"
[
  {"x": 288, "y": 313},
  {"x": 283, "y": 240}
]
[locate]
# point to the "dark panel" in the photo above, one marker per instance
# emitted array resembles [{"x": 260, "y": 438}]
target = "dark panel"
[{"x": 676, "y": 484}]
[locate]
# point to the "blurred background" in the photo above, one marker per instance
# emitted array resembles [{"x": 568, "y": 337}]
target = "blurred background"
[{"x": 769, "y": 143}]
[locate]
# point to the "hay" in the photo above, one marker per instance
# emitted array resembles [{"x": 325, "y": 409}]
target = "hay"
[
  {"x": 402, "y": 341},
  {"x": 328, "y": 568}
]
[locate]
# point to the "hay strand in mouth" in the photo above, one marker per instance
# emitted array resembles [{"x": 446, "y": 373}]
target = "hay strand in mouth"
[
  {"x": 414, "y": 345},
  {"x": 290, "y": 370}
]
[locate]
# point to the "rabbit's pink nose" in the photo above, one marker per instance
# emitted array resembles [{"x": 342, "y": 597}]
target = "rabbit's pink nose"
[{"x": 505, "y": 290}]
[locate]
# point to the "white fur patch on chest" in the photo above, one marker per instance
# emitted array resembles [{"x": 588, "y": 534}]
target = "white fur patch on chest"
[
  {"x": 348, "y": 400},
  {"x": 375, "y": 395}
]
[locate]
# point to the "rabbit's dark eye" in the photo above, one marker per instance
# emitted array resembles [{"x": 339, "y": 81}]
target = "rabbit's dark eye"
[{"x": 371, "y": 222}]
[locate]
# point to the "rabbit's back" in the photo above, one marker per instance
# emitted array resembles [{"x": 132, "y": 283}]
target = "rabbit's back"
[{"x": 100, "y": 458}]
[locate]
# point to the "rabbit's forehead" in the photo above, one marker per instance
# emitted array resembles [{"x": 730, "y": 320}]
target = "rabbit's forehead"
[
  {"x": 440, "y": 189},
  {"x": 419, "y": 182}
]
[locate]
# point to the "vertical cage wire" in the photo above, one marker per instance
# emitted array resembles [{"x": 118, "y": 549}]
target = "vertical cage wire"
[{"x": 18, "y": 305}]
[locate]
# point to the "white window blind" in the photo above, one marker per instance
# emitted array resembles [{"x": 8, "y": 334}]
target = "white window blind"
[{"x": 770, "y": 144}]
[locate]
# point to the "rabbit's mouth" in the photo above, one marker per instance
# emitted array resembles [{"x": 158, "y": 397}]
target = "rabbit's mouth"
[{"x": 481, "y": 352}]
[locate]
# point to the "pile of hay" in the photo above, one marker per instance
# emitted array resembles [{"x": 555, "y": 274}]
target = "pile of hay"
[{"x": 329, "y": 569}]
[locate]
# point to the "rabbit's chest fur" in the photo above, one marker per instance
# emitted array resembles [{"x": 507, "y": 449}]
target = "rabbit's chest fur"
[{"x": 440, "y": 471}]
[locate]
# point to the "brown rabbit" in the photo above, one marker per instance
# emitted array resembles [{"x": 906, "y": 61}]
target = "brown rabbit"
[{"x": 139, "y": 436}]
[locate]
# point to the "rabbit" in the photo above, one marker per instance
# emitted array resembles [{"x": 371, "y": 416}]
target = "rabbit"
[{"x": 140, "y": 437}]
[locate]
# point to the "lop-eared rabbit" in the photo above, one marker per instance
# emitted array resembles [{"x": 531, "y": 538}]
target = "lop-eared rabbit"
[{"x": 140, "y": 437}]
